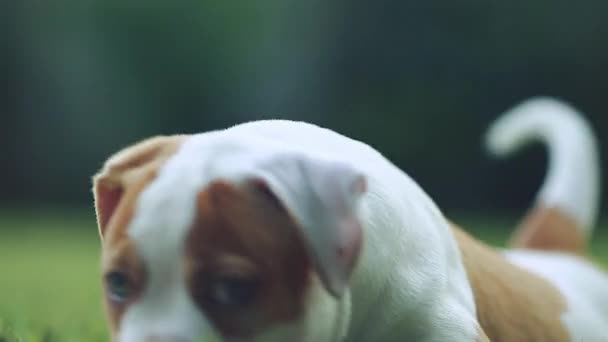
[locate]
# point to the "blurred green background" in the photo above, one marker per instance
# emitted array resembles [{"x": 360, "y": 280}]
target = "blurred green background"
[{"x": 418, "y": 80}]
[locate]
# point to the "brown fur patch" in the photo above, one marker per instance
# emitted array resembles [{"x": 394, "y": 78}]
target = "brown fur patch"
[
  {"x": 482, "y": 337},
  {"x": 122, "y": 257},
  {"x": 512, "y": 303},
  {"x": 243, "y": 233},
  {"x": 550, "y": 229},
  {"x": 126, "y": 167},
  {"x": 119, "y": 252},
  {"x": 117, "y": 188}
]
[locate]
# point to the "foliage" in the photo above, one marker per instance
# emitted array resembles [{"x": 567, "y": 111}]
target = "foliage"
[{"x": 419, "y": 80}]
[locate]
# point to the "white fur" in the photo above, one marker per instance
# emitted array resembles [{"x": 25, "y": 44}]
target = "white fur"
[
  {"x": 584, "y": 287},
  {"x": 165, "y": 310},
  {"x": 322, "y": 196},
  {"x": 572, "y": 183},
  {"x": 409, "y": 282}
]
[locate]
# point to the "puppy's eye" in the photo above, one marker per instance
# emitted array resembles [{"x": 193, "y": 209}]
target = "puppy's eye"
[
  {"x": 118, "y": 285},
  {"x": 233, "y": 291}
]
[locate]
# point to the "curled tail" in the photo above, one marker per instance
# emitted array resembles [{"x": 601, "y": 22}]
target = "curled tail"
[{"x": 566, "y": 206}]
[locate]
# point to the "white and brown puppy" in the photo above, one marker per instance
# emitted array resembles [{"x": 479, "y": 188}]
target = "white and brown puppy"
[{"x": 284, "y": 231}]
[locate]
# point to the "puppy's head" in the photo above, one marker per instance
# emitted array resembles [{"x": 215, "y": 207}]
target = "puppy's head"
[{"x": 262, "y": 252}]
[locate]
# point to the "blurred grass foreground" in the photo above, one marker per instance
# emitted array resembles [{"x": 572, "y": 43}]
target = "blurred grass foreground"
[
  {"x": 49, "y": 264},
  {"x": 49, "y": 288}
]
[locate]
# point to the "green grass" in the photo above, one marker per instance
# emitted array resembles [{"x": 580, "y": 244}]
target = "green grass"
[
  {"x": 49, "y": 274},
  {"x": 49, "y": 279}
]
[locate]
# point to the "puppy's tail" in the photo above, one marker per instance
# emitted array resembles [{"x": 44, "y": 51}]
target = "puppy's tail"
[{"x": 566, "y": 207}]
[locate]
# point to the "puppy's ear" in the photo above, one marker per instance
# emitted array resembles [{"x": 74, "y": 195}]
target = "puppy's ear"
[
  {"x": 321, "y": 196},
  {"x": 125, "y": 167}
]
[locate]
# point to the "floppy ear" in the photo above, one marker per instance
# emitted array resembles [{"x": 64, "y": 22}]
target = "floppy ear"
[
  {"x": 321, "y": 196},
  {"x": 122, "y": 168}
]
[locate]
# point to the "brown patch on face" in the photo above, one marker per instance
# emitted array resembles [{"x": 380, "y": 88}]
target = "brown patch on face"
[
  {"x": 119, "y": 253},
  {"x": 126, "y": 167},
  {"x": 243, "y": 239},
  {"x": 512, "y": 303},
  {"x": 122, "y": 258},
  {"x": 117, "y": 188},
  {"x": 550, "y": 229}
]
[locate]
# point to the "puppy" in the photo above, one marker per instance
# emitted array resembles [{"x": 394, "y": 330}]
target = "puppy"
[{"x": 284, "y": 231}]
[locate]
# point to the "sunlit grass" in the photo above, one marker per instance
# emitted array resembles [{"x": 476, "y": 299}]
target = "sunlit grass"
[{"x": 49, "y": 274}]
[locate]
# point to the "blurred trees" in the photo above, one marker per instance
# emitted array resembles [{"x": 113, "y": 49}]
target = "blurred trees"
[{"x": 418, "y": 80}]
